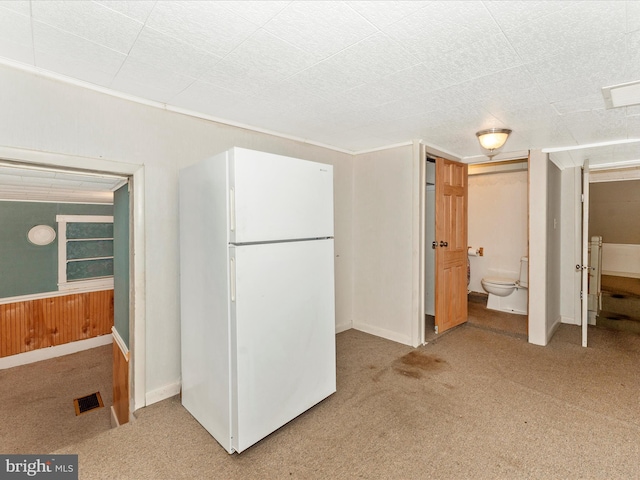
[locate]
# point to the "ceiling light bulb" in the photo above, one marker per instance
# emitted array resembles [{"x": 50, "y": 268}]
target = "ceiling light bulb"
[{"x": 492, "y": 139}]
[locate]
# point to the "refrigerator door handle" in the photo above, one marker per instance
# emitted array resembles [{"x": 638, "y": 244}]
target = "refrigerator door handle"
[
  {"x": 232, "y": 210},
  {"x": 232, "y": 274}
]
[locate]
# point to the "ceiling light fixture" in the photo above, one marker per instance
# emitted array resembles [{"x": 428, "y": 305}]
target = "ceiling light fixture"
[{"x": 493, "y": 139}]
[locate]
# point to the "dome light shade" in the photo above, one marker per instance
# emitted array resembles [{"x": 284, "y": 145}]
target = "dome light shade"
[{"x": 492, "y": 139}]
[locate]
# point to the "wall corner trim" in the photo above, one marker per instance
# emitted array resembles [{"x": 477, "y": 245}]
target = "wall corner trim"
[{"x": 120, "y": 342}]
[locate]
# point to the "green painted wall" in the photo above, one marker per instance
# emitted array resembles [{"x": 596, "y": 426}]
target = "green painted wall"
[
  {"x": 121, "y": 262},
  {"x": 26, "y": 268}
]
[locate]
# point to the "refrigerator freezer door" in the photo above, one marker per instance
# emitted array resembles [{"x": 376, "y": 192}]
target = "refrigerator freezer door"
[
  {"x": 275, "y": 198},
  {"x": 284, "y": 323}
]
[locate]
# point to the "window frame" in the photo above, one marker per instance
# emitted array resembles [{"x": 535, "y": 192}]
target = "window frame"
[{"x": 101, "y": 283}]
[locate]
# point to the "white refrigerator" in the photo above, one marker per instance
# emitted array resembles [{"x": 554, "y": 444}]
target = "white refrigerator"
[{"x": 257, "y": 292}]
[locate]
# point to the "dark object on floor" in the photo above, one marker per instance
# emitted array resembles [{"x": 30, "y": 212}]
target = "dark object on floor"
[{"x": 88, "y": 403}]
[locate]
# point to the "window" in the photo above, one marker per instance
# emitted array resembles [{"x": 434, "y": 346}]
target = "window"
[{"x": 85, "y": 252}]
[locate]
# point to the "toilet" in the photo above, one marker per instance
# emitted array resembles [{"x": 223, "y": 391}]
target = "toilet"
[{"x": 508, "y": 294}]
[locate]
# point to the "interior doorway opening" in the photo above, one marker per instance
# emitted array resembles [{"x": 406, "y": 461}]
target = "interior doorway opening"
[
  {"x": 40, "y": 177},
  {"x": 614, "y": 198}
]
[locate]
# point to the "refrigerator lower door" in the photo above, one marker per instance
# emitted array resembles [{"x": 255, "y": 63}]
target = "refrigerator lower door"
[{"x": 283, "y": 334}]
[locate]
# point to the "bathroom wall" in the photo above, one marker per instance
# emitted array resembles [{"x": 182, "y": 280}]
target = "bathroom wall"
[{"x": 498, "y": 223}]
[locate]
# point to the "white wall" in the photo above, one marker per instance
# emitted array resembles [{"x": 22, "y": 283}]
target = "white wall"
[
  {"x": 622, "y": 260},
  {"x": 538, "y": 164},
  {"x": 498, "y": 204},
  {"x": 47, "y": 115},
  {"x": 554, "y": 248},
  {"x": 383, "y": 229}
]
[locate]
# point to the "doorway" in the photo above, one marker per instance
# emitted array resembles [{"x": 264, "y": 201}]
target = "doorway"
[
  {"x": 614, "y": 199},
  {"x": 98, "y": 176},
  {"x": 443, "y": 228},
  {"x": 498, "y": 246}
]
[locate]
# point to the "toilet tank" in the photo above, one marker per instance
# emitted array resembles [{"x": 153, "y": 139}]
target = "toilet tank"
[{"x": 523, "y": 281}]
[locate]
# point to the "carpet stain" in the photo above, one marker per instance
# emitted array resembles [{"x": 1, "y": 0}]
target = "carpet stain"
[{"x": 414, "y": 363}]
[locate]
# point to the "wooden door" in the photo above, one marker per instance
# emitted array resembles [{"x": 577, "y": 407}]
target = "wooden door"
[{"x": 451, "y": 244}]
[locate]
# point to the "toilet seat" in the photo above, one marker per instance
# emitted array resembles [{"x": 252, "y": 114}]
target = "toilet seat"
[{"x": 507, "y": 282}]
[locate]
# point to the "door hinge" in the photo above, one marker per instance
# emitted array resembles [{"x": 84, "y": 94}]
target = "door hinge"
[{"x": 580, "y": 294}]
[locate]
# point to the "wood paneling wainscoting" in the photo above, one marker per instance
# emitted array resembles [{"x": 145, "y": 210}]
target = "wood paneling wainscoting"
[
  {"x": 47, "y": 322},
  {"x": 120, "y": 408}
]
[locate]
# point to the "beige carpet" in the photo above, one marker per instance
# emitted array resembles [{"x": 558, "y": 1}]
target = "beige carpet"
[
  {"x": 473, "y": 404},
  {"x": 626, "y": 285},
  {"x": 36, "y": 401}
]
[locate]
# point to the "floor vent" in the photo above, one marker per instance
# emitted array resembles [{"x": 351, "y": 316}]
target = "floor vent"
[{"x": 88, "y": 403}]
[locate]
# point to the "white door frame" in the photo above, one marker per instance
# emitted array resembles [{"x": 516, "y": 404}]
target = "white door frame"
[
  {"x": 137, "y": 342},
  {"x": 584, "y": 296}
]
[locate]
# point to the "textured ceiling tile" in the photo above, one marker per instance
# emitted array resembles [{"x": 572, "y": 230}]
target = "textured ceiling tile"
[
  {"x": 211, "y": 100},
  {"x": 485, "y": 56},
  {"x": 527, "y": 118},
  {"x": 633, "y": 15},
  {"x": 633, "y": 128},
  {"x": 514, "y": 14},
  {"x": 596, "y": 125},
  {"x": 417, "y": 80},
  {"x": 595, "y": 68},
  {"x": 570, "y": 30},
  {"x": 326, "y": 80},
  {"x": 404, "y": 84},
  {"x": 373, "y": 57},
  {"x": 383, "y": 13},
  {"x": 632, "y": 111},
  {"x": 282, "y": 98},
  {"x": 76, "y": 57},
  {"x": 442, "y": 27},
  {"x": 137, "y": 9},
  {"x": 508, "y": 90},
  {"x": 582, "y": 104},
  {"x": 91, "y": 21},
  {"x": 265, "y": 52},
  {"x": 15, "y": 37},
  {"x": 258, "y": 12},
  {"x": 149, "y": 81},
  {"x": 320, "y": 28},
  {"x": 22, "y": 7},
  {"x": 632, "y": 71},
  {"x": 240, "y": 78},
  {"x": 205, "y": 25},
  {"x": 155, "y": 48}
]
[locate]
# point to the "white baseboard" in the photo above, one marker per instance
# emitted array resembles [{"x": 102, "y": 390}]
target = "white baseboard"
[
  {"x": 381, "y": 332},
  {"x": 621, "y": 274},
  {"x": 53, "y": 352},
  {"x": 342, "y": 328},
  {"x": 570, "y": 321},
  {"x": 162, "y": 393}
]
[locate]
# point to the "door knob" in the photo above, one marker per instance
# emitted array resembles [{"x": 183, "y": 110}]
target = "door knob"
[
  {"x": 443, "y": 244},
  {"x": 434, "y": 244}
]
